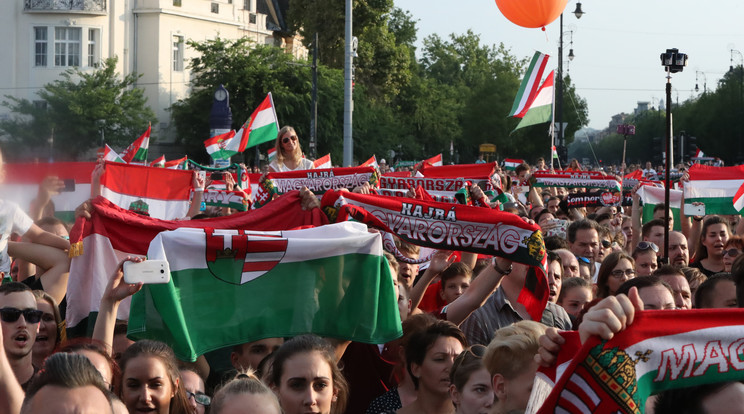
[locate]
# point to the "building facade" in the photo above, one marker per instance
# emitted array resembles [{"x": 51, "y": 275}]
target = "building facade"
[{"x": 43, "y": 38}]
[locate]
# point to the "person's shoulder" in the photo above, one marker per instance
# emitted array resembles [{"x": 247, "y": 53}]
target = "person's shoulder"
[{"x": 307, "y": 164}]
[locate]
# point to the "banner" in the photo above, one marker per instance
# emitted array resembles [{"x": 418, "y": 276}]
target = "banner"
[
  {"x": 441, "y": 189},
  {"x": 223, "y": 198},
  {"x": 230, "y": 287},
  {"x": 318, "y": 181},
  {"x": 578, "y": 179},
  {"x": 598, "y": 199},
  {"x": 452, "y": 227},
  {"x": 661, "y": 350}
]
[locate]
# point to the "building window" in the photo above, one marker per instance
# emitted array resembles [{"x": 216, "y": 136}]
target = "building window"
[
  {"x": 252, "y": 18},
  {"x": 246, "y": 4},
  {"x": 67, "y": 46},
  {"x": 177, "y": 3},
  {"x": 215, "y": 8},
  {"x": 93, "y": 40},
  {"x": 40, "y": 46},
  {"x": 178, "y": 53}
]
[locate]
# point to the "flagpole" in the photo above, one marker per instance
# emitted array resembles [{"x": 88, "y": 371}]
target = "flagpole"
[{"x": 552, "y": 136}]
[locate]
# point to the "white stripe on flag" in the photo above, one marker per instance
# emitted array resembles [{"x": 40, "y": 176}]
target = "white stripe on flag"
[
  {"x": 576, "y": 401},
  {"x": 586, "y": 388},
  {"x": 263, "y": 118},
  {"x": 157, "y": 208}
]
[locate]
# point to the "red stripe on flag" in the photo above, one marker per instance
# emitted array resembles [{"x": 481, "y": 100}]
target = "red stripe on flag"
[
  {"x": 706, "y": 172},
  {"x": 265, "y": 246},
  {"x": 147, "y": 182},
  {"x": 259, "y": 266},
  {"x": 33, "y": 173}
]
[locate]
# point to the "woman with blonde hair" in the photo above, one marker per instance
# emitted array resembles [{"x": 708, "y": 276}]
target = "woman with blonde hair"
[
  {"x": 289, "y": 153},
  {"x": 245, "y": 394}
]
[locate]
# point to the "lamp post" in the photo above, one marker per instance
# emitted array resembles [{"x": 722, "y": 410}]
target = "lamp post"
[
  {"x": 705, "y": 82},
  {"x": 673, "y": 62},
  {"x": 562, "y": 153},
  {"x": 626, "y": 130}
]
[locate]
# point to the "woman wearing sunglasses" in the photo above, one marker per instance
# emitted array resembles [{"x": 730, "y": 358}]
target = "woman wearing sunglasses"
[
  {"x": 731, "y": 250},
  {"x": 288, "y": 153},
  {"x": 471, "y": 390}
]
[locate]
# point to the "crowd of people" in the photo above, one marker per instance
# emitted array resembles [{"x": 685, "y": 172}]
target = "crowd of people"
[{"x": 468, "y": 346}]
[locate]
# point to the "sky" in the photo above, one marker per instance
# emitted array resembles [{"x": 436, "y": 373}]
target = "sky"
[{"x": 616, "y": 44}]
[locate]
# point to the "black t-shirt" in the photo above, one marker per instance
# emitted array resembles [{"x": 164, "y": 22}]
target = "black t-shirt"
[
  {"x": 36, "y": 284},
  {"x": 699, "y": 266}
]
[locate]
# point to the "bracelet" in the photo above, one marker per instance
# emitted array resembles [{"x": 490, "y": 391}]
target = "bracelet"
[
  {"x": 198, "y": 190},
  {"x": 498, "y": 269},
  {"x": 697, "y": 218}
]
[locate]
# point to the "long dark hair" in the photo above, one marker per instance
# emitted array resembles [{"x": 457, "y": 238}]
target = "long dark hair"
[
  {"x": 701, "y": 252},
  {"x": 608, "y": 264}
]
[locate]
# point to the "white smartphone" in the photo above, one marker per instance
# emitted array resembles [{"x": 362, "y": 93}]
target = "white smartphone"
[
  {"x": 694, "y": 210},
  {"x": 147, "y": 272},
  {"x": 202, "y": 175}
]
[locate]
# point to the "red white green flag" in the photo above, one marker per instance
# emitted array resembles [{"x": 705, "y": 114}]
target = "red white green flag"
[
  {"x": 541, "y": 108},
  {"x": 372, "y": 162},
  {"x": 715, "y": 187},
  {"x": 512, "y": 163},
  {"x": 223, "y": 146},
  {"x": 157, "y": 192},
  {"x": 661, "y": 350},
  {"x": 323, "y": 162},
  {"x": 160, "y": 162},
  {"x": 529, "y": 86},
  {"x": 136, "y": 152},
  {"x": 435, "y": 161},
  {"x": 229, "y": 287},
  {"x": 554, "y": 152},
  {"x": 739, "y": 199},
  {"x": 262, "y": 126},
  {"x": 111, "y": 155},
  {"x": 271, "y": 154},
  {"x": 178, "y": 164}
]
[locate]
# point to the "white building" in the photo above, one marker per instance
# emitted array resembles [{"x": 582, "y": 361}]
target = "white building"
[{"x": 43, "y": 38}]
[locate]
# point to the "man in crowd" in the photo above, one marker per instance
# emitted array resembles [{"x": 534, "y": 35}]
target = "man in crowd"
[
  {"x": 680, "y": 288},
  {"x": 19, "y": 319},
  {"x": 679, "y": 255},
  {"x": 653, "y": 232},
  {"x": 583, "y": 239},
  {"x": 719, "y": 291}
]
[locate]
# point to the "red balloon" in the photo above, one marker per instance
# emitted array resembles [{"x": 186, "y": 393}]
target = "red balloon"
[{"x": 531, "y": 13}]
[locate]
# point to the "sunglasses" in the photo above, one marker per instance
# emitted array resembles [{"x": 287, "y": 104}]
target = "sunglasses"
[
  {"x": 476, "y": 351},
  {"x": 12, "y": 314},
  {"x": 199, "y": 397},
  {"x": 731, "y": 252},
  {"x": 617, "y": 274},
  {"x": 606, "y": 244},
  {"x": 286, "y": 139},
  {"x": 645, "y": 245}
]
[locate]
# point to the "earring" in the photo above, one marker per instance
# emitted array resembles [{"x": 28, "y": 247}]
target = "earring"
[{"x": 335, "y": 398}]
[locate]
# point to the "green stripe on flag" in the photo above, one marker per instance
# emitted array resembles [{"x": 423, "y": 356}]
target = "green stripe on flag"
[
  {"x": 140, "y": 155},
  {"x": 715, "y": 205},
  {"x": 263, "y": 134}
]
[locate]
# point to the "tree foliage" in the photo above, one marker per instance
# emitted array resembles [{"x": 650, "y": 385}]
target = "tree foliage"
[{"x": 78, "y": 107}]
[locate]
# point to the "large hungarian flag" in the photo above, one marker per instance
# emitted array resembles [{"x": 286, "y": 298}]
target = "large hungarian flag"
[
  {"x": 22, "y": 185},
  {"x": 541, "y": 108},
  {"x": 652, "y": 196},
  {"x": 229, "y": 287},
  {"x": 113, "y": 233},
  {"x": 661, "y": 350},
  {"x": 262, "y": 126},
  {"x": 158, "y": 192},
  {"x": 529, "y": 86},
  {"x": 136, "y": 152},
  {"x": 715, "y": 187}
]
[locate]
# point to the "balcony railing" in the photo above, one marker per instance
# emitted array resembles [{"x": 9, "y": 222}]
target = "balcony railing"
[{"x": 69, "y": 6}]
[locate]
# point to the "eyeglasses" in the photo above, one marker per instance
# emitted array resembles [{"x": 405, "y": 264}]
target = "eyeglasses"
[
  {"x": 731, "y": 252},
  {"x": 606, "y": 244},
  {"x": 476, "y": 351},
  {"x": 286, "y": 139},
  {"x": 619, "y": 273},
  {"x": 199, "y": 397},
  {"x": 645, "y": 245},
  {"x": 12, "y": 314}
]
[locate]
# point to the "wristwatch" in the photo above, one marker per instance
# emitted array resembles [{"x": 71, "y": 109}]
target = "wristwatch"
[{"x": 498, "y": 269}]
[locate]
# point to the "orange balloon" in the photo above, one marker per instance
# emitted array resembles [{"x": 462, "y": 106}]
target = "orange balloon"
[{"x": 531, "y": 13}]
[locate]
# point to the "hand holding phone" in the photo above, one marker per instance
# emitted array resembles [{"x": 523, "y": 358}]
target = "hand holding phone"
[{"x": 147, "y": 272}]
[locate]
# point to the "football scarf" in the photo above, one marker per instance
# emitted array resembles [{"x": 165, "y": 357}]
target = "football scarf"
[
  {"x": 577, "y": 179},
  {"x": 318, "y": 181},
  {"x": 598, "y": 198},
  {"x": 452, "y": 227},
  {"x": 224, "y": 198}
]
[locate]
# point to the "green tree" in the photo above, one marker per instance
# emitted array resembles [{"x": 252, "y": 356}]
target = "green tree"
[
  {"x": 78, "y": 106},
  {"x": 249, "y": 72}
]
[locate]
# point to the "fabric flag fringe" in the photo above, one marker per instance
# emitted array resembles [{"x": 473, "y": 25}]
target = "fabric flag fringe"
[
  {"x": 529, "y": 86},
  {"x": 136, "y": 152}
]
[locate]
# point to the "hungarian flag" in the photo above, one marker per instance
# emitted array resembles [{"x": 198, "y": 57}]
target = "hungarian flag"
[
  {"x": 271, "y": 154},
  {"x": 512, "y": 163},
  {"x": 157, "y": 192},
  {"x": 529, "y": 86},
  {"x": 661, "y": 350},
  {"x": 111, "y": 155},
  {"x": 541, "y": 108},
  {"x": 113, "y": 233},
  {"x": 160, "y": 162},
  {"x": 715, "y": 187},
  {"x": 177, "y": 164},
  {"x": 136, "y": 152},
  {"x": 554, "y": 152},
  {"x": 739, "y": 199},
  {"x": 262, "y": 126},
  {"x": 230, "y": 287},
  {"x": 323, "y": 162},
  {"x": 652, "y": 196},
  {"x": 435, "y": 161},
  {"x": 224, "y": 146},
  {"x": 22, "y": 180},
  {"x": 372, "y": 162}
]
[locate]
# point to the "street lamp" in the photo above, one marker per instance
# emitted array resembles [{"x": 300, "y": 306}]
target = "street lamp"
[
  {"x": 673, "y": 62},
  {"x": 562, "y": 153},
  {"x": 705, "y": 82}
]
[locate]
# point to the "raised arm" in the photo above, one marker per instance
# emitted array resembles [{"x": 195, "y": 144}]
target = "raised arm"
[
  {"x": 116, "y": 291},
  {"x": 439, "y": 262},
  {"x": 198, "y": 183},
  {"x": 11, "y": 394},
  {"x": 52, "y": 265}
]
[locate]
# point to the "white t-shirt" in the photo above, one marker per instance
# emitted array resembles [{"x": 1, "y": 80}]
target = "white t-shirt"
[
  {"x": 305, "y": 164},
  {"x": 12, "y": 220}
]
